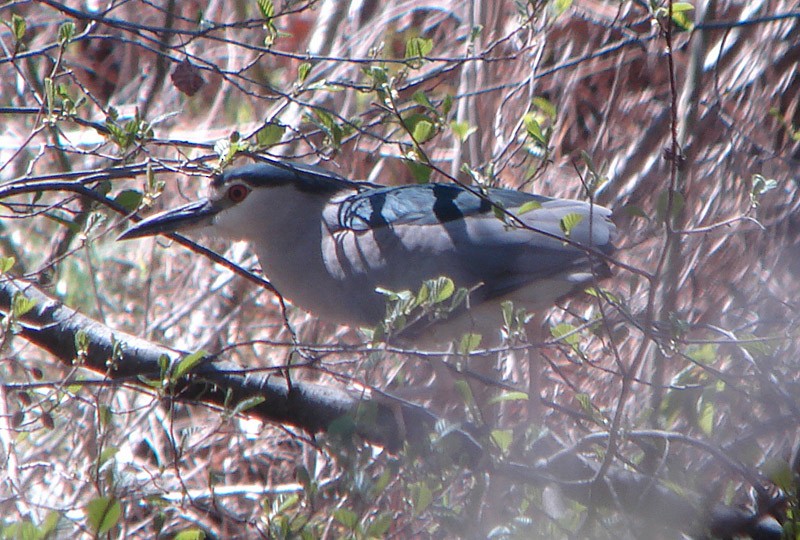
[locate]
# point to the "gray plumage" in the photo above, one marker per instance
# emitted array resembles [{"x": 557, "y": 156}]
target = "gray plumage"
[{"x": 326, "y": 243}]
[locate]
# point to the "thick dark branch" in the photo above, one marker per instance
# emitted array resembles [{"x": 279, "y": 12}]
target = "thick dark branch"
[
  {"x": 314, "y": 407},
  {"x": 310, "y": 406}
]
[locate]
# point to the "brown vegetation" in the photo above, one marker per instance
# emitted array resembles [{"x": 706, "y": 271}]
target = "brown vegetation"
[{"x": 676, "y": 392}]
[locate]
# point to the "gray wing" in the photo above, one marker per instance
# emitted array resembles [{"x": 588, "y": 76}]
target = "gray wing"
[
  {"x": 427, "y": 204},
  {"x": 396, "y": 237}
]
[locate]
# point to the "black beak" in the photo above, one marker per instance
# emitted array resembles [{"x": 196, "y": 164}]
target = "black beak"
[{"x": 189, "y": 216}]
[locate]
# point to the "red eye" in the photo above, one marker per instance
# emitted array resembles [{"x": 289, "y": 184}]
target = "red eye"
[{"x": 237, "y": 193}]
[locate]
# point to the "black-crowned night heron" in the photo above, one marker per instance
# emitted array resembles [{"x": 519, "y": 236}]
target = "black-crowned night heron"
[{"x": 327, "y": 243}]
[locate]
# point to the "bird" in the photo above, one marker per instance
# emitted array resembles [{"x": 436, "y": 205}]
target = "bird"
[{"x": 333, "y": 246}]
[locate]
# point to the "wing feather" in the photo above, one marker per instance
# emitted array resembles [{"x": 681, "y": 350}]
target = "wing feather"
[{"x": 442, "y": 226}]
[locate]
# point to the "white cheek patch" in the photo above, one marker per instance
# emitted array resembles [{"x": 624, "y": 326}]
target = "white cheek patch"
[{"x": 232, "y": 224}]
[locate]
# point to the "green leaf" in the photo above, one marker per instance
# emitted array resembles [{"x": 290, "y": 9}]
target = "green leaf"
[
  {"x": 423, "y": 131},
  {"x": 421, "y": 497},
  {"x": 534, "y": 129},
  {"x": 561, "y": 6},
  {"x": 507, "y": 309},
  {"x": 420, "y": 171},
  {"x": 462, "y": 293},
  {"x": 679, "y": 7},
  {"x": 566, "y": 333},
  {"x": 514, "y": 319},
  {"x": 463, "y": 389},
  {"x": 780, "y": 472},
  {"x": 154, "y": 186},
  {"x": 104, "y": 415},
  {"x": 102, "y": 514},
  {"x": 705, "y": 417},
  {"x": 635, "y": 211},
  {"x": 469, "y": 342},
  {"x": 441, "y": 288},
  {"x": 302, "y": 72},
  {"x": 267, "y": 8},
  {"x": 66, "y": 32},
  {"x": 682, "y": 20},
  {"x": 346, "y": 517},
  {"x": 569, "y": 222},
  {"x": 502, "y": 438},
  {"x": 759, "y": 347},
  {"x": 417, "y": 48},
  {"x": 287, "y": 503},
  {"x": 394, "y": 296},
  {"x": 509, "y": 396},
  {"x": 188, "y": 363},
  {"x": 21, "y": 304},
  {"x": 546, "y": 106},
  {"x": 6, "y": 264},
  {"x": 447, "y": 104},
  {"x": 703, "y": 354},
  {"x": 528, "y": 207},
  {"x": 163, "y": 364},
  {"x": 18, "y": 27},
  {"x": 423, "y": 293},
  {"x": 325, "y": 121},
  {"x": 50, "y": 95},
  {"x": 190, "y": 534},
  {"x": 21, "y": 530},
  {"x": 269, "y": 135},
  {"x": 462, "y": 130},
  {"x": 586, "y": 403},
  {"x": 603, "y": 294},
  {"x": 383, "y": 480},
  {"x": 49, "y": 525},
  {"x": 421, "y": 98},
  {"x": 378, "y": 75},
  {"x": 248, "y": 403},
  {"x": 420, "y": 126},
  {"x": 108, "y": 453},
  {"x": 379, "y": 526},
  {"x": 129, "y": 199}
]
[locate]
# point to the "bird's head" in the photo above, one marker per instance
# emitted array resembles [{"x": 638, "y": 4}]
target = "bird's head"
[{"x": 241, "y": 197}]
